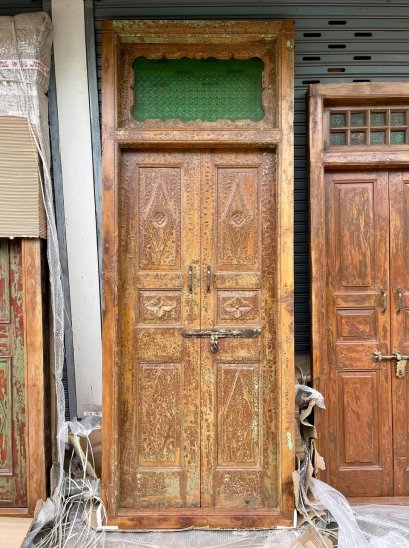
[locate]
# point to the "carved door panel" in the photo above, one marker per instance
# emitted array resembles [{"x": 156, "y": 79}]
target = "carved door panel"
[
  {"x": 159, "y": 240},
  {"x": 239, "y": 400},
  {"x": 197, "y": 241},
  {"x": 13, "y": 489},
  {"x": 399, "y": 268},
  {"x": 359, "y": 458}
]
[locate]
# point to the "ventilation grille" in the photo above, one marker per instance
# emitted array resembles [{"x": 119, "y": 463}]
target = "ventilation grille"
[{"x": 351, "y": 42}]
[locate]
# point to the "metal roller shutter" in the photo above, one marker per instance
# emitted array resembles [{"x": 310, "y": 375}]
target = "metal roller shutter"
[{"x": 335, "y": 42}]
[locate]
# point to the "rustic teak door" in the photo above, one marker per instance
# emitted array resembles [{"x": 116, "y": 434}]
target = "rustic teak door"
[
  {"x": 198, "y": 279},
  {"x": 367, "y": 309},
  {"x": 195, "y": 424}
]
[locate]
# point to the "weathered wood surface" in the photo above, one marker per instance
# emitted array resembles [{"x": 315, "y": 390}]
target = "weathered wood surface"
[
  {"x": 22, "y": 408},
  {"x": 196, "y": 438},
  {"x": 354, "y": 214}
]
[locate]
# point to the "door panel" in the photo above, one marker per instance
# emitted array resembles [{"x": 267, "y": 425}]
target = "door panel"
[
  {"x": 159, "y": 238},
  {"x": 358, "y": 397},
  {"x": 399, "y": 268},
  {"x": 197, "y": 240},
  {"x": 13, "y": 486},
  {"x": 239, "y": 405}
]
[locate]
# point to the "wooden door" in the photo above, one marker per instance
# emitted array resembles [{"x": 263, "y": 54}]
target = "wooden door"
[
  {"x": 13, "y": 480},
  {"x": 159, "y": 245},
  {"x": 196, "y": 251},
  {"x": 239, "y": 399},
  {"x": 358, "y": 390},
  {"x": 399, "y": 269}
]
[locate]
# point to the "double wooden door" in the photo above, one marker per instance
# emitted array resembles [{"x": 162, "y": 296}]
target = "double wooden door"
[
  {"x": 367, "y": 242},
  {"x": 197, "y": 240}
]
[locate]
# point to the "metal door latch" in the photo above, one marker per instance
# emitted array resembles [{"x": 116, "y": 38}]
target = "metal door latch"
[
  {"x": 401, "y": 361},
  {"x": 216, "y": 334}
]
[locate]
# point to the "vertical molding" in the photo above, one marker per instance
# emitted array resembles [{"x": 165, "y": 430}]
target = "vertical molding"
[
  {"x": 79, "y": 200},
  {"x": 95, "y": 126},
  {"x": 34, "y": 370},
  {"x": 285, "y": 287}
]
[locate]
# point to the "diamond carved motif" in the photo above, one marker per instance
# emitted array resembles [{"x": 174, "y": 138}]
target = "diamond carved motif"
[
  {"x": 237, "y": 221},
  {"x": 237, "y": 307},
  {"x": 160, "y": 212}
]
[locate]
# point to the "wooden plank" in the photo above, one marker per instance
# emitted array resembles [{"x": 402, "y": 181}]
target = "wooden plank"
[
  {"x": 110, "y": 462},
  {"x": 37, "y": 429}
]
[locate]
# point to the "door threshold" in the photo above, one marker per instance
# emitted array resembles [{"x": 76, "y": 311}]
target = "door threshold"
[
  {"x": 397, "y": 501},
  {"x": 183, "y": 518}
]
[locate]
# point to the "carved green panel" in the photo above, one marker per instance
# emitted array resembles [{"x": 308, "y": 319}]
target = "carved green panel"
[{"x": 198, "y": 89}]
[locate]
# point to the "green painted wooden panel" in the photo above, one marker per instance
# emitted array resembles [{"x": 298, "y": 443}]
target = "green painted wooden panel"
[{"x": 13, "y": 473}]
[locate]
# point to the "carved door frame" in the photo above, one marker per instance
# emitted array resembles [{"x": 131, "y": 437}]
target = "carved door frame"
[
  {"x": 273, "y": 42},
  {"x": 325, "y": 158}
]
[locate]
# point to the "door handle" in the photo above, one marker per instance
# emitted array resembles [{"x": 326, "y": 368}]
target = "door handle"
[
  {"x": 384, "y": 301},
  {"x": 401, "y": 361},
  {"x": 400, "y": 300},
  {"x": 208, "y": 279},
  {"x": 190, "y": 279}
]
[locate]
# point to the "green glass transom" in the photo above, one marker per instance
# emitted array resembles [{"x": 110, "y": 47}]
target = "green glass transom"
[{"x": 198, "y": 89}]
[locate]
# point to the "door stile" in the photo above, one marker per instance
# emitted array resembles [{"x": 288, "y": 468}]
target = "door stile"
[
  {"x": 399, "y": 269},
  {"x": 208, "y": 373}
]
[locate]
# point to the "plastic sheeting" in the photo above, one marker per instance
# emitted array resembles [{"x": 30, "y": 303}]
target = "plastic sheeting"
[{"x": 25, "y": 55}]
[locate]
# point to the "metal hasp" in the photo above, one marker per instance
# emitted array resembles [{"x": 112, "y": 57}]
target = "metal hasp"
[
  {"x": 401, "y": 360},
  {"x": 216, "y": 334}
]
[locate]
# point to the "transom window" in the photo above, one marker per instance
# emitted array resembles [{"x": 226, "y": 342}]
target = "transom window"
[
  {"x": 189, "y": 89},
  {"x": 373, "y": 126}
]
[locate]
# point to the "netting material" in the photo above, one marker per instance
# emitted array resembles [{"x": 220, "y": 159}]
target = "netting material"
[{"x": 198, "y": 89}]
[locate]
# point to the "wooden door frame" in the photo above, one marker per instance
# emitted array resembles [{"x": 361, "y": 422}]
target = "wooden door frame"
[
  {"x": 321, "y": 159},
  {"x": 276, "y": 135},
  {"x": 35, "y": 380}
]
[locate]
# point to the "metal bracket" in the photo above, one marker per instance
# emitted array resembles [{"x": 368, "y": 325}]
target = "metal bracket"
[
  {"x": 401, "y": 361},
  {"x": 216, "y": 334}
]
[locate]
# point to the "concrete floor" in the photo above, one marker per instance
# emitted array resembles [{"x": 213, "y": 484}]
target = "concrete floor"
[{"x": 13, "y": 531}]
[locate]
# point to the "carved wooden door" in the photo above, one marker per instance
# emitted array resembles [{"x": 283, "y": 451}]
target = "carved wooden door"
[
  {"x": 367, "y": 232},
  {"x": 358, "y": 457},
  {"x": 197, "y": 241},
  {"x": 13, "y": 485}
]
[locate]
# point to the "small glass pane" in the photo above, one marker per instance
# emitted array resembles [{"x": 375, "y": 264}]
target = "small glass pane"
[
  {"x": 358, "y": 119},
  {"x": 397, "y": 118},
  {"x": 397, "y": 137},
  {"x": 358, "y": 138},
  {"x": 338, "y": 138},
  {"x": 377, "y": 137},
  {"x": 338, "y": 119},
  {"x": 198, "y": 89},
  {"x": 378, "y": 119}
]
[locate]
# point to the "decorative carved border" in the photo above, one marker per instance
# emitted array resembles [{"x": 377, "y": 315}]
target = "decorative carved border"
[{"x": 130, "y": 52}]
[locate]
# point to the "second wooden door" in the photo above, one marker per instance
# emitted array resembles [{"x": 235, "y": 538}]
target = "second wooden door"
[
  {"x": 367, "y": 242},
  {"x": 196, "y": 254}
]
